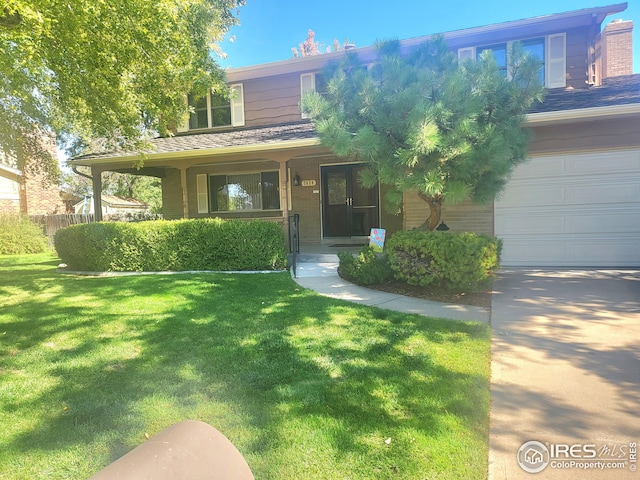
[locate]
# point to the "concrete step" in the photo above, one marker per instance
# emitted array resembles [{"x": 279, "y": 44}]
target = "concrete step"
[{"x": 315, "y": 258}]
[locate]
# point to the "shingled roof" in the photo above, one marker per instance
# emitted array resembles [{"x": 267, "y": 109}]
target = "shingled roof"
[
  {"x": 614, "y": 91},
  {"x": 255, "y": 137}
]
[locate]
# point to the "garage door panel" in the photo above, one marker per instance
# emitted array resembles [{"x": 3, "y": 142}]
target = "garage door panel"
[
  {"x": 621, "y": 222},
  {"x": 602, "y": 163},
  {"x": 600, "y": 191},
  {"x": 601, "y": 251},
  {"x": 544, "y": 167},
  {"x": 612, "y": 191},
  {"x": 594, "y": 252},
  {"x": 572, "y": 210},
  {"x": 521, "y": 194},
  {"x": 530, "y": 224},
  {"x": 569, "y": 222},
  {"x": 535, "y": 253}
]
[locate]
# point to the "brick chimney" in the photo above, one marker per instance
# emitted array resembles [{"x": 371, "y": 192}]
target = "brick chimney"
[{"x": 617, "y": 49}]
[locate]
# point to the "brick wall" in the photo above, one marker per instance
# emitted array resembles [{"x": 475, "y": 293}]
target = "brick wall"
[
  {"x": 172, "y": 195},
  {"x": 9, "y": 194},
  {"x": 9, "y": 206},
  {"x": 617, "y": 49},
  {"x": 305, "y": 201},
  {"x": 41, "y": 197}
]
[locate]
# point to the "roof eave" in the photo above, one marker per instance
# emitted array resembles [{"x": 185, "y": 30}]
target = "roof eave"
[
  {"x": 580, "y": 115},
  {"x": 316, "y": 62},
  {"x": 10, "y": 170},
  {"x": 208, "y": 152}
]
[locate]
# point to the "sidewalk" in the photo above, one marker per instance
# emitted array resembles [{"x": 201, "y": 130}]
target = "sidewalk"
[{"x": 323, "y": 278}]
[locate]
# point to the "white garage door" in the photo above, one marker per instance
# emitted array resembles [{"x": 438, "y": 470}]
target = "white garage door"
[{"x": 572, "y": 210}]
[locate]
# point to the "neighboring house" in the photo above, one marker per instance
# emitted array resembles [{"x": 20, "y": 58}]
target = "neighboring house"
[
  {"x": 112, "y": 205},
  {"x": 577, "y": 202},
  {"x": 27, "y": 193},
  {"x": 9, "y": 189}
]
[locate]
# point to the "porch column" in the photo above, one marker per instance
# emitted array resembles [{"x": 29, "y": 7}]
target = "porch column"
[
  {"x": 284, "y": 197},
  {"x": 96, "y": 180},
  {"x": 185, "y": 194}
]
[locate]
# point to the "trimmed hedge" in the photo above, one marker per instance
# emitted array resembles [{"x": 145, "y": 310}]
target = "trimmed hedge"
[
  {"x": 203, "y": 244},
  {"x": 19, "y": 236},
  {"x": 367, "y": 268},
  {"x": 450, "y": 260}
]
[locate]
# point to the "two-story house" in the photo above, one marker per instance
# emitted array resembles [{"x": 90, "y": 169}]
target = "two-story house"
[{"x": 576, "y": 202}]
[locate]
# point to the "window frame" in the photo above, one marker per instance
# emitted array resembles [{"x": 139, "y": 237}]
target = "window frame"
[
  {"x": 307, "y": 85},
  {"x": 262, "y": 192},
  {"x": 236, "y": 107},
  {"x": 554, "y": 67}
]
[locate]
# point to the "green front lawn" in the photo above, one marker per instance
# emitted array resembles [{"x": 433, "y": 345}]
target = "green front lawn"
[{"x": 306, "y": 387}]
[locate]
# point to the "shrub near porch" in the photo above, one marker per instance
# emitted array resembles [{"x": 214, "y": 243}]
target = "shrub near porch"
[
  {"x": 451, "y": 260},
  {"x": 204, "y": 244}
]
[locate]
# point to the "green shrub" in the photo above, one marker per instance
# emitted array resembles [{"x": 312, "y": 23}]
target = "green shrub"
[
  {"x": 450, "y": 260},
  {"x": 367, "y": 268},
  {"x": 203, "y": 244},
  {"x": 18, "y": 236}
]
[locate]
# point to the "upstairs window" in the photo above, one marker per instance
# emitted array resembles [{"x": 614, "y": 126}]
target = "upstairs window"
[
  {"x": 499, "y": 53},
  {"x": 307, "y": 85},
  {"x": 536, "y": 48},
  {"x": 214, "y": 111},
  {"x": 198, "y": 118},
  {"x": 549, "y": 50},
  {"x": 220, "y": 111}
]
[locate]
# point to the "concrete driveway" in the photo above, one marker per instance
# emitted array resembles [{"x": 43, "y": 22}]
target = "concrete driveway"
[{"x": 565, "y": 374}]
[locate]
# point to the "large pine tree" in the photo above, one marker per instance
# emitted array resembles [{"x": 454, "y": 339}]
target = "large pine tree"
[{"x": 425, "y": 123}]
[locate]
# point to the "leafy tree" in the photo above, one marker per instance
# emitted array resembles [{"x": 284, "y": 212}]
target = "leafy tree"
[
  {"x": 115, "y": 70},
  {"x": 138, "y": 187},
  {"x": 427, "y": 124}
]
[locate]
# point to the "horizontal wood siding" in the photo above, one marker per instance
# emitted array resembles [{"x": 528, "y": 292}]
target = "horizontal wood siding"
[
  {"x": 463, "y": 217},
  {"x": 390, "y": 221},
  {"x": 415, "y": 211},
  {"x": 469, "y": 217},
  {"x": 586, "y": 136},
  {"x": 577, "y": 57},
  {"x": 272, "y": 100}
]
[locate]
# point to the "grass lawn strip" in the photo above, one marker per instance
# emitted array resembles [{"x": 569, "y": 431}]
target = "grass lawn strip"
[{"x": 305, "y": 386}]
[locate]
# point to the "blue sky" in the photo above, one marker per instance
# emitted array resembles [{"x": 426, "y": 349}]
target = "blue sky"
[{"x": 269, "y": 28}]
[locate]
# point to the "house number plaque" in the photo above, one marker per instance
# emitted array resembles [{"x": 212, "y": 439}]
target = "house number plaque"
[{"x": 308, "y": 183}]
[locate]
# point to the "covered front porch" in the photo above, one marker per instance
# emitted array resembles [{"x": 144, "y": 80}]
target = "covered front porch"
[{"x": 268, "y": 173}]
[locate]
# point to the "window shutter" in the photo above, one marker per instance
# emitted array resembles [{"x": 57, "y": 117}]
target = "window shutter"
[
  {"x": 201, "y": 189},
  {"x": 237, "y": 105},
  {"x": 556, "y": 61},
  {"x": 466, "y": 54},
  {"x": 307, "y": 85},
  {"x": 185, "y": 125}
]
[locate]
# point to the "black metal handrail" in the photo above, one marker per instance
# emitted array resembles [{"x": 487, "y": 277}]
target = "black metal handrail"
[{"x": 294, "y": 241}]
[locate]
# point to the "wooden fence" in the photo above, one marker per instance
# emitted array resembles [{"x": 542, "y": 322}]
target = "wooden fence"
[{"x": 52, "y": 223}]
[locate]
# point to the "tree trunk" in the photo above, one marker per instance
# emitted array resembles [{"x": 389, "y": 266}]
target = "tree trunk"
[{"x": 435, "y": 209}]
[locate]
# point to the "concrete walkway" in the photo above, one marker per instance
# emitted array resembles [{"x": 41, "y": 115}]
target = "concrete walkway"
[
  {"x": 565, "y": 370},
  {"x": 324, "y": 279}
]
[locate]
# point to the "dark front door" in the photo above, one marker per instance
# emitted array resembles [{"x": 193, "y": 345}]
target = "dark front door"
[{"x": 349, "y": 209}]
